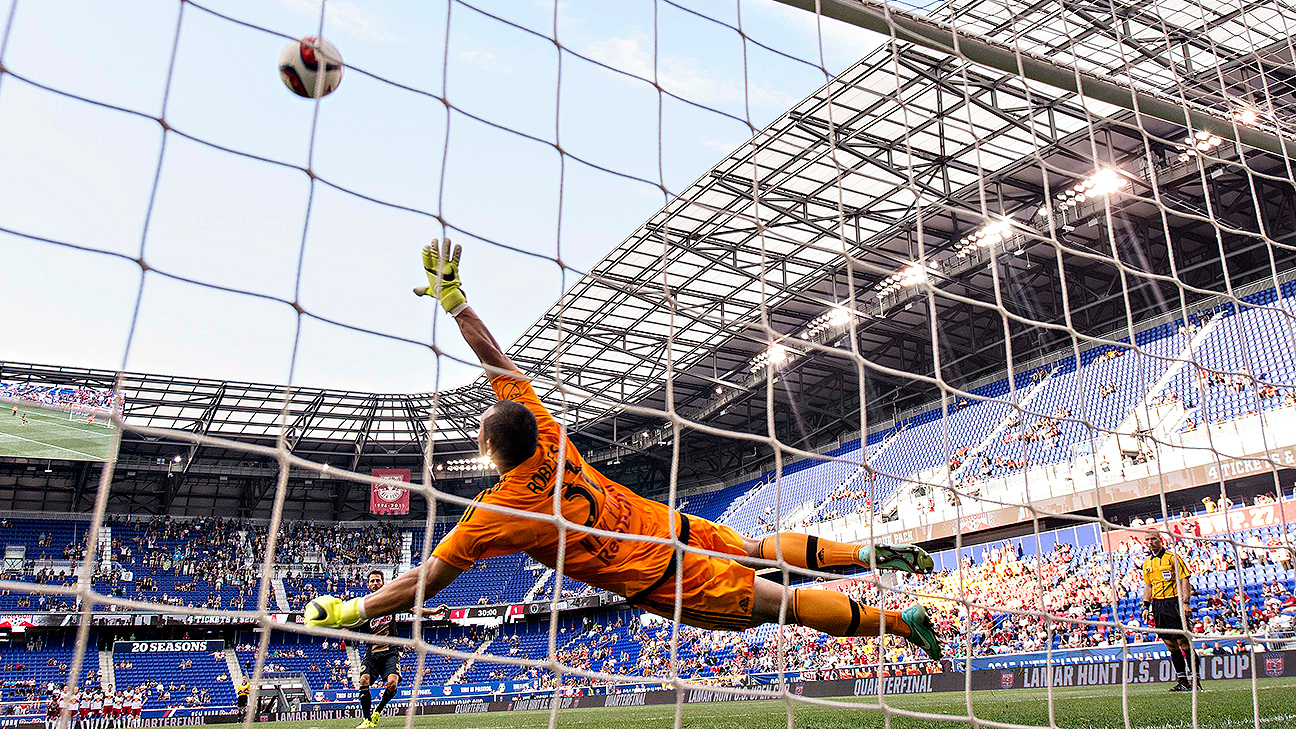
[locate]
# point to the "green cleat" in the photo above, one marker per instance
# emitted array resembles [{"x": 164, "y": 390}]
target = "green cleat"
[
  {"x": 373, "y": 720},
  {"x": 366, "y": 724},
  {"x": 921, "y": 632},
  {"x": 898, "y": 557}
]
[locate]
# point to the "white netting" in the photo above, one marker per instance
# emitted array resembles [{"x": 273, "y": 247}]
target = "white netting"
[{"x": 1035, "y": 258}]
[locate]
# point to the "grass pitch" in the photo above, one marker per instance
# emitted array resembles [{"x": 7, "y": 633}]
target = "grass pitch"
[
  {"x": 50, "y": 434},
  {"x": 1224, "y": 705}
]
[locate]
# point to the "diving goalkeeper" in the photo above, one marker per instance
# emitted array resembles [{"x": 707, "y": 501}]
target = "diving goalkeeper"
[{"x": 532, "y": 455}]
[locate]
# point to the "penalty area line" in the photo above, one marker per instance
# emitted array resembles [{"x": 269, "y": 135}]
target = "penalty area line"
[{"x": 51, "y": 445}]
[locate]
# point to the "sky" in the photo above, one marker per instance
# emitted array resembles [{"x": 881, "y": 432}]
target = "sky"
[{"x": 235, "y": 224}]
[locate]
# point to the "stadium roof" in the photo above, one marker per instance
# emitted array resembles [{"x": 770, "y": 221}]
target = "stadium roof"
[
  {"x": 909, "y": 146},
  {"x": 907, "y": 152}
]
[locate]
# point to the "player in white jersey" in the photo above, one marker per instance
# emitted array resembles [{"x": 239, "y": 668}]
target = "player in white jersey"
[
  {"x": 136, "y": 706},
  {"x": 112, "y": 708},
  {"x": 96, "y": 710},
  {"x": 80, "y": 709}
]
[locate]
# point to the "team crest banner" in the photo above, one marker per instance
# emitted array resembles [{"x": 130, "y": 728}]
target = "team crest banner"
[{"x": 387, "y": 499}]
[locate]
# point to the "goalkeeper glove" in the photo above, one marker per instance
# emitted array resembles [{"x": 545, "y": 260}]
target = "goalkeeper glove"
[
  {"x": 442, "y": 268},
  {"x": 327, "y": 611}
]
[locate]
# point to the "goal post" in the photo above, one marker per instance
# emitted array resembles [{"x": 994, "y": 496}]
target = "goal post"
[{"x": 91, "y": 415}]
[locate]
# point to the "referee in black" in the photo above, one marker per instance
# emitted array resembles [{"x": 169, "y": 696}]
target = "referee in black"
[{"x": 1166, "y": 590}]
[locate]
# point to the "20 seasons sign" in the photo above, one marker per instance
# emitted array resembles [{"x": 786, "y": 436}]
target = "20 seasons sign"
[{"x": 168, "y": 646}]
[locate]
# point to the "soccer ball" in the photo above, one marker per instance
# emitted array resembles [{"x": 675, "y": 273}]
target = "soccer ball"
[{"x": 299, "y": 67}]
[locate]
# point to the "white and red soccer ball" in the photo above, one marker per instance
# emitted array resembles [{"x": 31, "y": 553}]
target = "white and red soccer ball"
[{"x": 310, "y": 67}]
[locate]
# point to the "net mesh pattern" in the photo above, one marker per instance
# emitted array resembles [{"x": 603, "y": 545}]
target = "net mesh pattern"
[{"x": 980, "y": 145}]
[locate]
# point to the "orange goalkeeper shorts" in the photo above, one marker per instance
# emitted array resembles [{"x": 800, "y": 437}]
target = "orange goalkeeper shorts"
[{"x": 716, "y": 593}]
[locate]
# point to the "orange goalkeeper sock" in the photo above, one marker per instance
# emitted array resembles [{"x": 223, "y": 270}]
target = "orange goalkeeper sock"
[
  {"x": 833, "y": 613},
  {"x": 804, "y": 550}
]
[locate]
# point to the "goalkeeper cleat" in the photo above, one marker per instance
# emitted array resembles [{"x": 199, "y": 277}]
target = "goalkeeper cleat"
[
  {"x": 373, "y": 720},
  {"x": 366, "y": 724},
  {"x": 921, "y": 631},
  {"x": 898, "y": 557}
]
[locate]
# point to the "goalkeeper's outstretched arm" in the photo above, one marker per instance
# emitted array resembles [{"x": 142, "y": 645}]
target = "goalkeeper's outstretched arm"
[
  {"x": 399, "y": 595},
  {"x": 483, "y": 344},
  {"x": 441, "y": 263}
]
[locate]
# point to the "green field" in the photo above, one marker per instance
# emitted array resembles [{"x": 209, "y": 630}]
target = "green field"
[
  {"x": 49, "y": 434},
  {"x": 1224, "y": 705}
]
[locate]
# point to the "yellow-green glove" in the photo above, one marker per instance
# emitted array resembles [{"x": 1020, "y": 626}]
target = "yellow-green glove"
[
  {"x": 442, "y": 268},
  {"x": 327, "y": 611}
]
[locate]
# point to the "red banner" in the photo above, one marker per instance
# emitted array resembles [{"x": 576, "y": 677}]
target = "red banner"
[{"x": 389, "y": 500}]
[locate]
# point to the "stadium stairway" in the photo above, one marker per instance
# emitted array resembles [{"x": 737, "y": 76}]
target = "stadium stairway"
[
  {"x": 104, "y": 547},
  {"x": 870, "y": 453},
  {"x": 468, "y": 664},
  {"x": 779, "y": 498},
  {"x": 1093, "y": 425},
  {"x": 903, "y": 493},
  {"x": 1169, "y": 376},
  {"x": 739, "y": 503},
  {"x": 406, "y": 551},
  {"x": 353, "y": 661},
  {"x": 107, "y": 679},
  {"x": 280, "y": 593},
  {"x": 232, "y": 663},
  {"x": 538, "y": 586},
  {"x": 1003, "y": 425}
]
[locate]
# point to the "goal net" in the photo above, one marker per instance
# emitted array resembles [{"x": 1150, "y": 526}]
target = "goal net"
[
  {"x": 91, "y": 415},
  {"x": 1014, "y": 283}
]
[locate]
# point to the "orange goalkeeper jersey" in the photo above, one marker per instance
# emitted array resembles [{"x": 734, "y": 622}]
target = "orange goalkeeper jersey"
[{"x": 588, "y": 497}]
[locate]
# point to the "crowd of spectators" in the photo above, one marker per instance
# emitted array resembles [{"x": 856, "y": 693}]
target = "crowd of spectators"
[
  {"x": 210, "y": 563},
  {"x": 59, "y": 395},
  {"x": 344, "y": 581},
  {"x": 1065, "y": 588},
  {"x": 1205, "y": 379},
  {"x": 330, "y": 544},
  {"x": 630, "y": 647},
  {"x": 1081, "y": 584}
]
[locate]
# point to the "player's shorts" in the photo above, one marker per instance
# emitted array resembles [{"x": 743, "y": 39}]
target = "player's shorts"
[
  {"x": 717, "y": 593},
  {"x": 1165, "y": 614},
  {"x": 381, "y": 665}
]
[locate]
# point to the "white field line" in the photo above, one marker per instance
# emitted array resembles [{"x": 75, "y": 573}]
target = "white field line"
[{"x": 51, "y": 445}]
